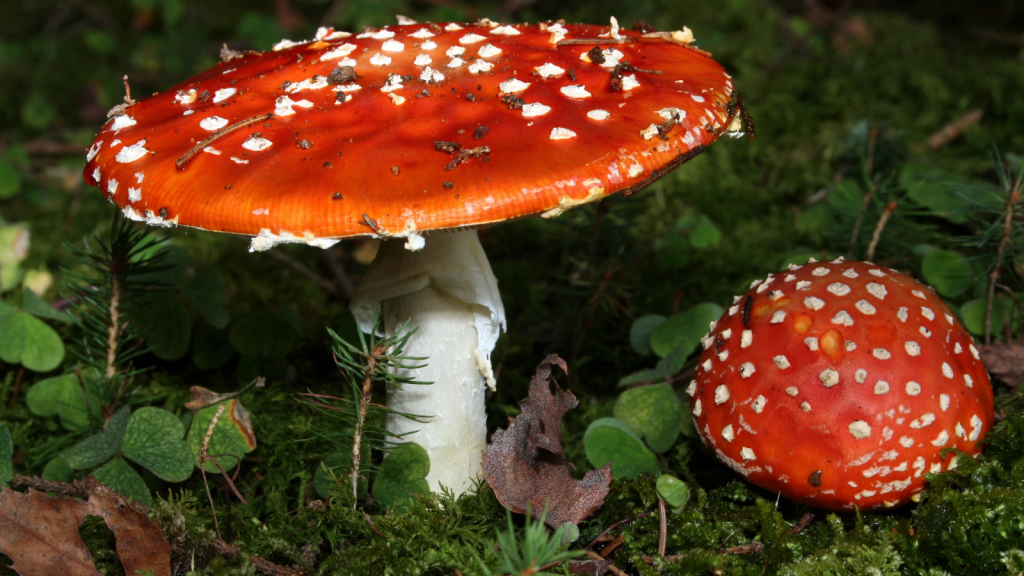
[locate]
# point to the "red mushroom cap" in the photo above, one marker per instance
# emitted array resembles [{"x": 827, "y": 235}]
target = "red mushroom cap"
[
  {"x": 838, "y": 384},
  {"x": 413, "y": 127}
]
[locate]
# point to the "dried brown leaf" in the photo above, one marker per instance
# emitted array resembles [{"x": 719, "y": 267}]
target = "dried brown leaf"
[
  {"x": 40, "y": 533},
  {"x": 1005, "y": 361},
  {"x": 526, "y": 466},
  {"x": 203, "y": 397}
]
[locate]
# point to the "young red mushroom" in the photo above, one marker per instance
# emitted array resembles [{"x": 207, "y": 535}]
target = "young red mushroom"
[
  {"x": 409, "y": 129},
  {"x": 838, "y": 384}
]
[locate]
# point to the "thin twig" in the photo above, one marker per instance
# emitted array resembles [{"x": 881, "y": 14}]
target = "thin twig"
[
  {"x": 662, "y": 528},
  {"x": 804, "y": 522},
  {"x": 202, "y": 462},
  {"x": 261, "y": 565},
  {"x": 611, "y": 567},
  {"x": 220, "y": 134},
  {"x": 374, "y": 526},
  {"x": 607, "y": 550},
  {"x": 357, "y": 432},
  {"x": 954, "y": 129},
  {"x": 616, "y": 525},
  {"x": 576, "y": 41},
  {"x": 114, "y": 332},
  {"x": 878, "y": 229},
  {"x": 1004, "y": 242},
  {"x": 860, "y": 217}
]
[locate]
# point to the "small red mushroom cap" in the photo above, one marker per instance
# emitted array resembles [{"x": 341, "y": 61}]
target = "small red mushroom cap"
[
  {"x": 838, "y": 384},
  {"x": 411, "y": 128}
]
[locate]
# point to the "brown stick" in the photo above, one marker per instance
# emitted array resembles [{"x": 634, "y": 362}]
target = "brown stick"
[
  {"x": 954, "y": 129},
  {"x": 114, "y": 332},
  {"x": 879, "y": 227},
  {"x": 611, "y": 567},
  {"x": 614, "y": 526},
  {"x": 220, "y": 134},
  {"x": 264, "y": 566},
  {"x": 804, "y": 522},
  {"x": 860, "y": 217},
  {"x": 607, "y": 550},
  {"x": 1005, "y": 241}
]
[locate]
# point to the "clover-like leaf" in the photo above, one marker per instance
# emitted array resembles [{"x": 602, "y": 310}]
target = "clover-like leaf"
[
  {"x": 973, "y": 314},
  {"x": 99, "y": 447},
  {"x": 403, "y": 473},
  {"x": 36, "y": 306},
  {"x": 673, "y": 491},
  {"x": 687, "y": 326},
  {"x": 26, "y": 340},
  {"x": 233, "y": 437},
  {"x": 640, "y": 332},
  {"x": 58, "y": 469},
  {"x": 652, "y": 412},
  {"x": 206, "y": 292},
  {"x": 610, "y": 441},
  {"x": 123, "y": 479},
  {"x": 154, "y": 439},
  {"x": 60, "y": 396},
  {"x": 949, "y": 272},
  {"x": 165, "y": 324}
]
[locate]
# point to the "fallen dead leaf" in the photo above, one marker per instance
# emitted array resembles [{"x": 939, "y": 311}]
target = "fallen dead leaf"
[
  {"x": 1005, "y": 361},
  {"x": 40, "y": 533},
  {"x": 526, "y": 466}
]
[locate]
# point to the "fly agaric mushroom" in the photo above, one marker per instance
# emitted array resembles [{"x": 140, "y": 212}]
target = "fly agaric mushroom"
[
  {"x": 414, "y": 128},
  {"x": 838, "y": 384}
]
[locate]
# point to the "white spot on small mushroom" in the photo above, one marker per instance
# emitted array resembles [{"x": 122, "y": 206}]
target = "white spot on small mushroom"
[
  {"x": 394, "y": 82},
  {"x": 213, "y": 123},
  {"x": 759, "y": 403},
  {"x": 480, "y": 66},
  {"x": 820, "y": 271},
  {"x": 968, "y": 381},
  {"x": 396, "y": 99},
  {"x": 778, "y": 317},
  {"x": 692, "y": 387},
  {"x": 974, "y": 352},
  {"x": 471, "y": 39},
  {"x": 913, "y": 348},
  {"x": 513, "y": 85},
  {"x": 380, "y": 60},
  {"x": 422, "y": 33},
  {"x": 93, "y": 151},
  {"x": 812, "y": 343},
  {"x": 488, "y": 50},
  {"x": 913, "y": 388},
  {"x": 282, "y": 107},
  {"x": 877, "y": 290},
  {"x": 534, "y": 109},
  {"x": 431, "y": 75},
  {"x": 906, "y": 441},
  {"x": 949, "y": 319},
  {"x": 122, "y": 121},
  {"x": 746, "y": 369},
  {"x": 707, "y": 365},
  {"x": 727, "y": 433},
  {"x": 392, "y": 46},
  {"x": 829, "y": 377},
  {"x": 860, "y": 375},
  {"x": 865, "y": 307},
  {"x": 379, "y": 35},
  {"x": 843, "y": 318},
  {"x": 630, "y": 82},
  {"x": 859, "y": 429},
  {"x": 850, "y": 346},
  {"x": 455, "y": 51},
  {"x": 947, "y": 370},
  {"x": 348, "y": 88},
  {"x": 726, "y": 334},
  {"x": 814, "y": 303},
  {"x": 505, "y": 31},
  {"x": 839, "y": 289},
  {"x": 944, "y": 402},
  {"x": 239, "y": 160},
  {"x": 428, "y": 45},
  {"x": 721, "y": 394},
  {"x": 941, "y": 439},
  {"x": 881, "y": 387},
  {"x": 549, "y": 70},
  {"x": 455, "y": 62},
  {"x": 112, "y": 186},
  {"x": 256, "y": 143},
  {"x": 960, "y": 432},
  {"x": 211, "y": 150},
  {"x": 789, "y": 278},
  {"x": 805, "y": 406},
  {"x": 925, "y": 332},
  {"x": 132, "y": 153},
  {"x": 924, "y": 421},
  {"x": 927, "y": 313},
  {"x": 775, "y": 295},
  {"x": 139, "y": 177},
  {"x": 902, "y": 314},
  {"x": 223, "y": 94},
  {"x": 957, "y": 348},
  {"x": 781, "y": 361},
  {"x": 575, "y": 91},
  {"x": 422, "y": 60},
  {"x": 697, "y": 409},
  {"x": 339, "y": 52},
  {"x": 134, "y": 194},
  {"x": 747, "y": 454},
  {"x": 723, "y": 355},
  {"x": 877, "y": 272},
  {"x": 598, "y": 114},
  {"x": 802, "y": 285},
  {"x": 746, "y": 338},
  {"x": 976, "y": 425},
  {"x": 635, "y": 169}
]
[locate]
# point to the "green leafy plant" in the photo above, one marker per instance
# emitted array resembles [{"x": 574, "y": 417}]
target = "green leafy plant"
[
  {"x": 532, "y": 553},
  {"x": 358, "y": 422}
]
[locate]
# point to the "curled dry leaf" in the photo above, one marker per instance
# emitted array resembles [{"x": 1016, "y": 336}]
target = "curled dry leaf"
[
  {"x": 40, "y": 533},
  {"x": 1005, "y": 361},
  {"x": 525, "y": 464}
]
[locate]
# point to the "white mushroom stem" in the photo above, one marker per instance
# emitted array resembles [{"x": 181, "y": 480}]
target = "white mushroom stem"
[{"x": 449, "y": 294}]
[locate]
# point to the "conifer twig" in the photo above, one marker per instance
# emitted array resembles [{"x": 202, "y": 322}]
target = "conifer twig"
[
  {"x": 114, "y": 332},
  {"x": 202, "y": 462}
]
